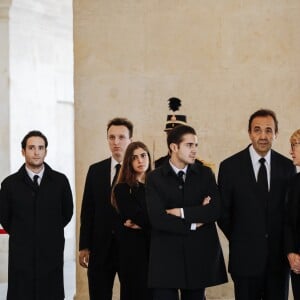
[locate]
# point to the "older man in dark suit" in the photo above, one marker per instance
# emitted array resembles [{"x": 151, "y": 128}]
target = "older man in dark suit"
[
  {"x": 35, "y": 206},
  {"x": 253, "y": 186},
  {"x": 183, "y": 204},
  {"x": 98, "y": 247}
]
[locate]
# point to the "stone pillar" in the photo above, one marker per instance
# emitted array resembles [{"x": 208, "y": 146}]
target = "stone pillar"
[
  {"x": 4, "y": 87},
  {"x": 4, "y": 118}
]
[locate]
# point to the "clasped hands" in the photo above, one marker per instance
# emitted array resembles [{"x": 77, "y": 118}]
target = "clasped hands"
[
  {"x": 131, "y": 224},
  {"x": 177, "y": 211}
]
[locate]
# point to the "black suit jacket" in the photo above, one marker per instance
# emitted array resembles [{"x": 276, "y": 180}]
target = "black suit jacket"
[
  {"x": 180, "y": 257},
  {"x": 292, "y": 220},
  {"x": 253, "y": 226},
  {"x": 98, "y": 218}
]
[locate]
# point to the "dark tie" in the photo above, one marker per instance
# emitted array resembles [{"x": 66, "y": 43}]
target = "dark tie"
[
  {"x": 262, "y": 178},
  {"x": 117, "y": 166},
  {"x": 180, "y": 175},
  {"x": 35, "y": 181}
]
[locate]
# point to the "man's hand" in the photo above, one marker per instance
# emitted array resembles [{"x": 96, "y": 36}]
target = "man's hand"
[
  {"x": 131, "y": 225},
  {"x": 84, "y": 256},
  {"x": 177, "y": 211},
  {"x": 174, "y": 211},
  {"x": 294, "y": 260},
  {"x": 206, "y": 200}
]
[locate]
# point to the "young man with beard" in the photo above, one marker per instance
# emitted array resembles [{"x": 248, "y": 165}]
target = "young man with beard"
[{"x": 183, "y": 205}]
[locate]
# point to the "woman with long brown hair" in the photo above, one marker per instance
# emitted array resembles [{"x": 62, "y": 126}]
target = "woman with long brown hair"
[{"x": 128, "y": 198}]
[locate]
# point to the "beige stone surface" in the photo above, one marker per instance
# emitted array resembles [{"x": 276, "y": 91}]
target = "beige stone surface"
[{"x": 224, "y": 59}]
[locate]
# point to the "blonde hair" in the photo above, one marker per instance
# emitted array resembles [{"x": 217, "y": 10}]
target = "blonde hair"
[{"x": 295, "y": 137}]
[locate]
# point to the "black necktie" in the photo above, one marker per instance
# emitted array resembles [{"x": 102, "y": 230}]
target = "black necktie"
[
  {"x": 180, "y": 175},
  {"x": 262, "y": 178},
  {"x": 117, "y": 166},
  {"x": 35, "y": 181}
]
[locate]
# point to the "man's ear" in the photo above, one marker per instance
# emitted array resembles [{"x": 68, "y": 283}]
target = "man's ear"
[
  {"x": 173, "y": 147},
  {"x": 23, "y": 152}
]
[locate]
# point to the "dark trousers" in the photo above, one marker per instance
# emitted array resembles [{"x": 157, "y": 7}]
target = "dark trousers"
[
  {"x": 172, "y": 294},
  {"x": 295, "y": 279},
  {"x": 271, "y": 286},
  {"x": 101, "y": 277}
]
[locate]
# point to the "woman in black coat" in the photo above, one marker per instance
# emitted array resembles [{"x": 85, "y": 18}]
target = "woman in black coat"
[
  {"x": 129, "y": 200},
  {"x": 292, "y": 225}
]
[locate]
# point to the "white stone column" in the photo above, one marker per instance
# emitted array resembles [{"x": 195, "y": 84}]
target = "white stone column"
[
  {"x": 4, "y": 87},
  {"x": 4, "y": 118}
]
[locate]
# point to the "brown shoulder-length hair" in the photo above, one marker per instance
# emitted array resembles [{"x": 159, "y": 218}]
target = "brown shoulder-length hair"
[{"x": 127, "y": 173}]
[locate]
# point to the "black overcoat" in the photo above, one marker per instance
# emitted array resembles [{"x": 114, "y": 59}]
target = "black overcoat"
[
  {"x": 35, "y": 221},
  {"x": 180, "y": 257}
]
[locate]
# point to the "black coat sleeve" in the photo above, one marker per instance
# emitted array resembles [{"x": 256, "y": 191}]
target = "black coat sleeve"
[
  {"x": 205, "y": 213},
  {"x": 87, "y": 213},
  {"x": 67, "y": 202},
  {"x": 225, "y": 188},
  {"x": 159, "y": 219},
  {"x": 129, "y": 206},
  {"x": 5, "y": 206}
]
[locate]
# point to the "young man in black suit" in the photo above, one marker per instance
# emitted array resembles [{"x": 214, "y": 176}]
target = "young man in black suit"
[
  {"x": 98, "y": 247},
  {"x": 35, "y": 205},
  {"x": 253, "y": 186},
  {"x": 183, "y": 205}
]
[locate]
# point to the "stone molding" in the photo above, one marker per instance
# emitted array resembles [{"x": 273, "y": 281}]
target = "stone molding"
[{"x": 4, "y": 8}]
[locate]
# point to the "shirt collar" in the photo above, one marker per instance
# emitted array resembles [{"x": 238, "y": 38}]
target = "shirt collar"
[
  {"x": 31, "y": 174},
  {"x": 176, "y": 170},
  {"x": 255, "y": 157},
  {"x": 114, "y": 163}
]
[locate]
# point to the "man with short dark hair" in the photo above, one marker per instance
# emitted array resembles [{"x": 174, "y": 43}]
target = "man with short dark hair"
[
  {"x": 35, "y": 206},
  {"x": 98, "y": 246},
  {"x": 253, "y": 186},
  {"x": 183, "y": 204}
]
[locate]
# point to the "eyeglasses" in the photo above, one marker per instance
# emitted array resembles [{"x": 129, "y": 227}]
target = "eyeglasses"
[{"x": 293, "y": 145}]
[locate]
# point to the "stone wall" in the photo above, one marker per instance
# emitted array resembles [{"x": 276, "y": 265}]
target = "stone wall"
[{"x": 224, "y": 59}]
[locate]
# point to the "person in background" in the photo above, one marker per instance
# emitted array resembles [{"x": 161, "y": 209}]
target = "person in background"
[
  {"x": 292, "y": 220},
  {"x": 183, "y": 205},
  {"x": 129, "y": 199},
  {"x": 253, "y": 185},
  {"x": 173, "y": 121},
  {"x": 98, "y": 245},
  {"x": 35, "y": 205}
]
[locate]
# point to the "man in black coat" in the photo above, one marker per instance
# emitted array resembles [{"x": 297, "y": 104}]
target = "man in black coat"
[
  {"x": 98, "y": 246},
  {"x": 253, "y": 186},
  {"x": 185, "y": 251},
  {"x": 35, "y": 206}
]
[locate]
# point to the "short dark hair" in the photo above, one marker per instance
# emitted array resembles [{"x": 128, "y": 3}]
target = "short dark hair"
[
  {"x": 263, "y": 113},
  {"x": 31, "y": 134},
  {"x": 176, "y": 134},
  {"x": 121, "y": 122}
]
